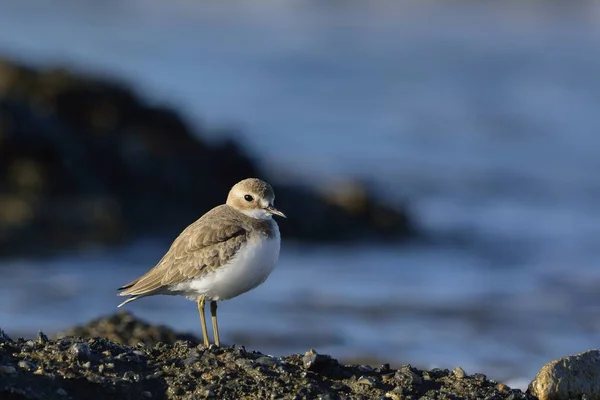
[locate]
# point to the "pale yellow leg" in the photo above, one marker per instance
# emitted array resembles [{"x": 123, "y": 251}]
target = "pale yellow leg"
[
  {"x": 213, "y": 313},
  {"x": 203, "y": 321}
]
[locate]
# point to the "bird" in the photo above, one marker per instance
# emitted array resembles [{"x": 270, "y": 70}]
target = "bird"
[{"x": 228, "y": 251}]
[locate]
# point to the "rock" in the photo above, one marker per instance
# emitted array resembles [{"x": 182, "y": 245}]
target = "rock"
[
  {"x": 81, "y": 350},
  {"x": 86, "y": 160},
  {"x": 267, "y": 361},
  {"x": 161, "y": 371},
  {"x": 229, "y": 375},
  {"x": 407, "y": 376},
  {"x": 27, "y": 365},
  {"x": 124, "y": 328},
  {"x": 42, "y": 338},
  {"x": 313, "y": 360},
  {"x": 366, "y": 380},
  {"x": 459, "y": 372},
  {"x": 7, "y": 369},
  {"x": 4, "y": 337},
  {"x": 570, "y": 377}
]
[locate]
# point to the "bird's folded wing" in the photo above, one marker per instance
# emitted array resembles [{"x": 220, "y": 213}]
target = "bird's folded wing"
[{"x": 199, "y": 249}]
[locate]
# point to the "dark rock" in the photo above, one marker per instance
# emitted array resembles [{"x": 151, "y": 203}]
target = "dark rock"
[
  {"x": 4, "y": 337},
  {"x": 85, "y": 160},
  {"x": 479, "y": 377},
  {"x": 313, "y": 360},
  {"x": 81, "y": 350},
  {"x": 42, "y": 338},
  {"x": 266, "y": 361},
  {"x": 408, "y": 376},
  {"x": 124, "y": 328},
  {"x": 27, "y": 365}
]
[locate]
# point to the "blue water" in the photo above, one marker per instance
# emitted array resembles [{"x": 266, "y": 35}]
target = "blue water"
[{"x": 483, "y": 118}]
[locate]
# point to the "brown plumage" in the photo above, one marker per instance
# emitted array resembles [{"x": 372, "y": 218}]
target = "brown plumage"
[
  {"x": 228, "y": 251},
  {"x": 203, "y": 246}
]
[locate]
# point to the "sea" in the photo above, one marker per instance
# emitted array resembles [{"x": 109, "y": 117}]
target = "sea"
[{"x": 482, "y": 117}]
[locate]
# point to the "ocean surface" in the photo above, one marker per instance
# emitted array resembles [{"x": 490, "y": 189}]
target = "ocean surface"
[{"x": 484, "y": 119}]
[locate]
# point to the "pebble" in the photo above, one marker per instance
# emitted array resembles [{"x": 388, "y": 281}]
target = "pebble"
[
  {"x": 41, "y": 338},
  {"x": 337, "y": 386},
  {"x": 146, "y": 394},
  {"x": 27, "y": 365},
  {"x": 7, "y": 370},
  {"x": 131, "y": 376},
  {"x": 365, "y": 368},
  {"x": 139, "y": 353},
  {"x": 406, "y": 376},
  {"x": 383, "y": 368},
  {"x": 479, "y": 377},
  {"x": 81, "y": 350},
  {"x": 366, "y": 380},
  {"x": 266, "y": 361},
  {"x": 328, "y": 396},
  {"x": 61, "y": 392},
  {"x": 192, "y": 358},
  {"x": 459, "y": 372},
  {"x": 244, "y": 363},
  {"x": 312, "y": 360}
]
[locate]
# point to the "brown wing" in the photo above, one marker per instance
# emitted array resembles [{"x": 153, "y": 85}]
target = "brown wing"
[{"x": 203, "y": 246}]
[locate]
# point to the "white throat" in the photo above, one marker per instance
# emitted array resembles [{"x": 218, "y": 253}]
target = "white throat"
[{"x": 257, "y": 213}]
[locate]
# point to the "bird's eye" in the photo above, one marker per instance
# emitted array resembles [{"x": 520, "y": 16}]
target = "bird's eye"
[{"x": 248, "y": 197}]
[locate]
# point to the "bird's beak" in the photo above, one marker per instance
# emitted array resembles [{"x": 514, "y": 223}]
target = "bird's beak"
[{"x": 275, "y": 211}]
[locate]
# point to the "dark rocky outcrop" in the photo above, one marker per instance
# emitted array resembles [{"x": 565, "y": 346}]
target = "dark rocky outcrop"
[
  {"x": 85, "y": 160},
  {"x": 98, "y": 368}
]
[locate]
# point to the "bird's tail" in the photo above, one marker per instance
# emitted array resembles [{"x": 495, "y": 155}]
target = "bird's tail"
[{"x": 132, "y": 298}]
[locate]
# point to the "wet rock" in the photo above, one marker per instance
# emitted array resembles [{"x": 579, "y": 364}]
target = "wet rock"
[
  {"x": 86, "y": 160},
  {"x": 571, "y": 377}
]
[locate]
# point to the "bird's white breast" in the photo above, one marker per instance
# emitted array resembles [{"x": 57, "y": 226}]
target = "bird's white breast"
[{"x": 250, "y": 267}]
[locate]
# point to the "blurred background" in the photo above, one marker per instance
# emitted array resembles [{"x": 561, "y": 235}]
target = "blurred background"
[{"x": 439, "y": 164}]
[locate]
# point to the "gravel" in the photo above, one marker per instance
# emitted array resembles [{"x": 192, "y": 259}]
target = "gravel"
[{"x": 76, "y": 367}]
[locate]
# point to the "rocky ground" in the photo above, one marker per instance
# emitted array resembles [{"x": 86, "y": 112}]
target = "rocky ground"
[
  {"x": 162, "y": 366},
  {"x": 84, "y": 159}
]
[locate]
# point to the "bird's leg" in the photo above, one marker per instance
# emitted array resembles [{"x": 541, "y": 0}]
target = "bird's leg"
[
  {"x": 201, "y": 301},
  {"x": 213, "y": 313}
]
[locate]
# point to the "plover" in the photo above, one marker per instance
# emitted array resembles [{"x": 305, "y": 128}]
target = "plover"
[{"x": 228, "y": 251}]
